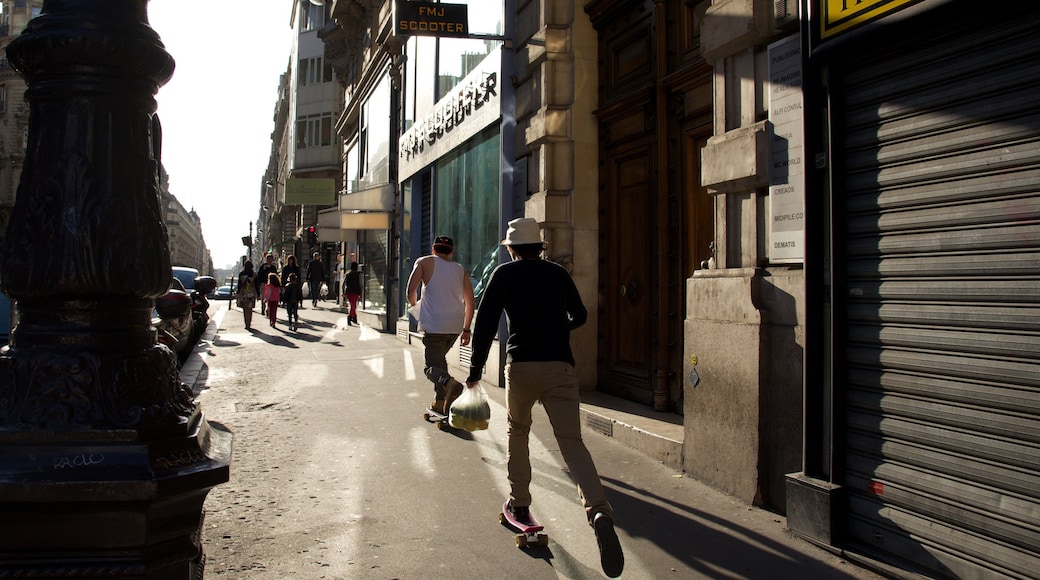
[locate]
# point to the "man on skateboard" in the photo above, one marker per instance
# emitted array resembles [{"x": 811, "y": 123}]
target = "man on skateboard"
[
  {"x": 542, "y": 306},
  {"x": 445, "y": 313}
]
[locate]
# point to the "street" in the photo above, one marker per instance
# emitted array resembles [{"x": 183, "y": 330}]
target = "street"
[{"x": 335, "y": 474}]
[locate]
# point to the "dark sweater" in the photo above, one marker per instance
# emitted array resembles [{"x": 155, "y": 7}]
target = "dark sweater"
[{"x": 542, "y": 306}]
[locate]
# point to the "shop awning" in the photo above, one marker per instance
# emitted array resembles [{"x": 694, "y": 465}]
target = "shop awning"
[{"x": 378, "y": 198}]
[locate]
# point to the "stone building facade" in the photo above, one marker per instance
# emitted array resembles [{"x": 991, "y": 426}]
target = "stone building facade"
[{"x": 184, "y": 229}]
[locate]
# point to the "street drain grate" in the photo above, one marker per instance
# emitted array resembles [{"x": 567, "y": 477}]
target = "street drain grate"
[{"x": 601, "y": 424}]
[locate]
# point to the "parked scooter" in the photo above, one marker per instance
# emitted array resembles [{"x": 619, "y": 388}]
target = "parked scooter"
[
  {"x": 204, "y": 285},
  {"x": 173, "y": 320}
]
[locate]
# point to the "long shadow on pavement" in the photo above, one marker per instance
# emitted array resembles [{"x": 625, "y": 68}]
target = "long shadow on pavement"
[
  {"x": 712, "y": 545},
  {"x": 275, "y": 340}
]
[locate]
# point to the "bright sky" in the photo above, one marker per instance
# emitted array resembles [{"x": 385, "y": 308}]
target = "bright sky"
[{"x": 217, "y": 110}]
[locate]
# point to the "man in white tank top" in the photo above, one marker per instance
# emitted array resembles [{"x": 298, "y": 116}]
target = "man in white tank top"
[{"x": 445, "y": 313}]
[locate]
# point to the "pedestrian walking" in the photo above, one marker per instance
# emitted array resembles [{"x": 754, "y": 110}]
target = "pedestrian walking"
[
  {"x": 445, "y": 313},
  {"x": 352, "y": 291},
  {"x": 272, "y": 295},
  {"x": 291, "y": 267},
  {"x": 246, "y": 294},
  {"x": 315, "y": 277},
  {"x": 262, "y": 275},
  {"x": 338, "y": 275},
  {"x": 542, "y": 306},
  {"x": 292, "y": 295}
]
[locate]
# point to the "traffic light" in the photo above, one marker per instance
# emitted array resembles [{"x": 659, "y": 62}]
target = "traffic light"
[{"x": 312, "y": 235}]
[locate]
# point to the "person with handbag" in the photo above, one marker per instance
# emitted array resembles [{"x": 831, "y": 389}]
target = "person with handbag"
[
  {"x": 315, "y": 278},
  {"x": 445, "y": 315},
  {"x": 542, "y": 306},
  {"x": 246, "y": 296}
]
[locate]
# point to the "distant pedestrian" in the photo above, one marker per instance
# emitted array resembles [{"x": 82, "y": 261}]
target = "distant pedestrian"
[
  {"x": 338, "y": 271},
  {"x": 542, "y": 306},
  {"x": 272, "y": 295},
  {"x": 315, "y": 277},
  {"x": 262, "y": 275},
  {"x": 246, "y": 294},
  {"x": 291, "y": 267},
  {"x": 292, "y": 295},
  {"x": 352, "y": 291},
  {"x": 445, "y": 313}
]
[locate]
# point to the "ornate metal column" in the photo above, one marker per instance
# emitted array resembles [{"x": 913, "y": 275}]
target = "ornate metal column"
[{"x": 105, "y": 459}]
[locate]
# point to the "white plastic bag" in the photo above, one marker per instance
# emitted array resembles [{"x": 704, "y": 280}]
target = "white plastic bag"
[{"x": 471, "y": 410}]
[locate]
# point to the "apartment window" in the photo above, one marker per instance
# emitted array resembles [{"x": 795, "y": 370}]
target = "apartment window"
[
  {"x": 314, "y": 131},
  {"x": 374, "y": 134},
  {"x": 3, "y": 98},
  {"x": 311, "y": 17},
  {"x": 313, "y": 71}
]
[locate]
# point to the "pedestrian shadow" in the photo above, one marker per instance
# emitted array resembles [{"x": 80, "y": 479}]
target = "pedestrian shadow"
[
  {"x": 275, "y": 340},
  {"x": 715, "y": 546},
  {"x": 300, "y": 335},
  {"x": 457, "y": 433},
  {"x": 316, "y": 323},
  {"x": 558, "y": 558}
]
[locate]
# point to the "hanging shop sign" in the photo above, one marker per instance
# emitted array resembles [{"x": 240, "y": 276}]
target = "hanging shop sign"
[
  {"x": 787, "y": 153},
  {"x": 309, "y": 191},
  {"x": 838, "y": 16},
  {"x": 430, "y": 19},
  {"x": 471, "y": 106}
]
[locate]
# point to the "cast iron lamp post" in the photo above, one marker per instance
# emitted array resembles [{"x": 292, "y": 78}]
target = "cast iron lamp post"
[{"x": 105, "y": 458}]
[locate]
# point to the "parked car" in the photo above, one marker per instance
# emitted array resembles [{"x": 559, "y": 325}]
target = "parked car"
[
  {"x": 186, "y": 276},
  {"x": 223, "y": 293}
]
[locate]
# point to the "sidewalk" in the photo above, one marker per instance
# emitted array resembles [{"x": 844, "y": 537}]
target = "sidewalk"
[
  {"x": 657, "y": 434},
  {"x": 687, "y": 527}
]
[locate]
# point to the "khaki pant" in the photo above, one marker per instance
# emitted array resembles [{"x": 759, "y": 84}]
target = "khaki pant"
[
  {"x": 556, "y": 386},
  {"x": 436, "y": 347}
]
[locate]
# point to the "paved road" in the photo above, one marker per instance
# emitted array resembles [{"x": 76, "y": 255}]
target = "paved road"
[{"x": 336, "y": 475}]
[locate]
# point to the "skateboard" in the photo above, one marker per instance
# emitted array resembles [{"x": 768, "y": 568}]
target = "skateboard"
[
  {"x": 529, "y": 532},
  {"x": 439, "y": 419}
]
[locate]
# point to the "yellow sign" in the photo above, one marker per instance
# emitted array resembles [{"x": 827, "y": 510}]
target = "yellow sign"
[
  {"x": 837, "y": 16},
  {"x": 304, "y": 191},
  {"x": 430, "y": 19}
]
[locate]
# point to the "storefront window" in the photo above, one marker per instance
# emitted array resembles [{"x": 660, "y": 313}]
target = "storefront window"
[
  {"x": 372, "y": 247},
  {"x": 484, "y": 17},
  {"x": 406, "y": 245},
  {"x": 459, "y": 56},
  {"x": 467, "y": 200},
  {"x": 350, "y": 169}
]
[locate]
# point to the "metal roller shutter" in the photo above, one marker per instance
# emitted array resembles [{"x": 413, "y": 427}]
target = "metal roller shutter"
[{"x": 937, "y": 164}]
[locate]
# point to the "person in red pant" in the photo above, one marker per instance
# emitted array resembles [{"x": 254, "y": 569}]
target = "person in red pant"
[
  {"x": 352, "y": 291},
  {"x": 272, "y": 295}
]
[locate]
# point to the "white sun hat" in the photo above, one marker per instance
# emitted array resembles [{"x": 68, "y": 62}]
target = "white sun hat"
[{"x": 523, "y": 231}]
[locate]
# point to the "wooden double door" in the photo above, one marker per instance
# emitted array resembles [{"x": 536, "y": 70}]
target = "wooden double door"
[{"x": 655, "y": 218}]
